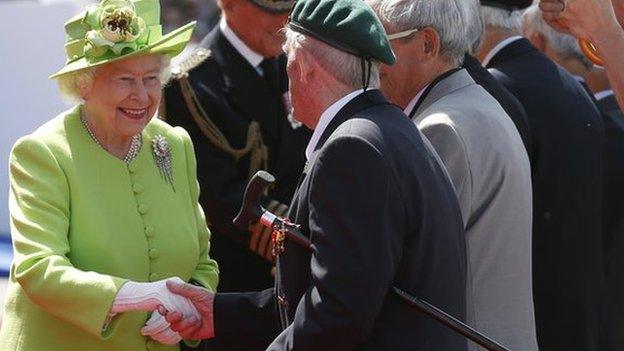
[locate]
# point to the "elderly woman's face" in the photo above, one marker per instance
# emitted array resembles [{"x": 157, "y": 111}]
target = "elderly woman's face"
[{"x": 125, "y": 94}]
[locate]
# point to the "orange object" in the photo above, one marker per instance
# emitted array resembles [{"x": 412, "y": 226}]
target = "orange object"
[
  {"x": 587, "y": 48},
  {"x": 590, "y": 51}
]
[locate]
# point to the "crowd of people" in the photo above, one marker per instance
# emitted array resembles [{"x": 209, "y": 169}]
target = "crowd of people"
[{"x": 467, "y": 153}]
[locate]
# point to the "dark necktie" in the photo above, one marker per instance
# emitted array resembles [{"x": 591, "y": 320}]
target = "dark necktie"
[{"x": 271, "y": 74}]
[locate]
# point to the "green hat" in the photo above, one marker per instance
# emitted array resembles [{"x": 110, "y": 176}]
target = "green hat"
[
  {"x": 117, "y": 29},
  {"x": 276, "y": 6},
  {"x": 348, "y": 25}
]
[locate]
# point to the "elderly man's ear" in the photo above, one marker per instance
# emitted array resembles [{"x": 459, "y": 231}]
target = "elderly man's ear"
[
  {"x": 431, "y": 44},
  {"x": 538, "y": 41},
  {"x": 307, "y": 66}
]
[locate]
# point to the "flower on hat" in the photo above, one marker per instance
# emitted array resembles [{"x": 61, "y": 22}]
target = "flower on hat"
[{"x": 115, "y": 26}]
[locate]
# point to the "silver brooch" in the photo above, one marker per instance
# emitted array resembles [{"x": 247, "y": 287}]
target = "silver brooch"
[{"x": 162, "y": 156}]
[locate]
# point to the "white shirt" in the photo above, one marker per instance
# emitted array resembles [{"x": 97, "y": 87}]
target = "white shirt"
[
  {"x": 603, "y": 94},
  {"x": 254, "y": 58},
  {"x": 412, "y": 103},
  {"x": 326, "y": 118},
  {"x": 500, "y": 46}
]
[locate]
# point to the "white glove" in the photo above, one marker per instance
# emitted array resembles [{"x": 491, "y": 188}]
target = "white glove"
[
  {"x": 158, "y": 329},
  {"x": 147, "y": 297}
]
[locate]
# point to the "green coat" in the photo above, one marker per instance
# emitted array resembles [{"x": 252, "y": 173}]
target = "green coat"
[{"x": 83, "y": 222}]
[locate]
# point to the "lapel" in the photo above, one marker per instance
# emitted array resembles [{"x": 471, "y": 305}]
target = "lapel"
[
  {"x": 243, "y": 87},
  {"x": 445, "y": 86},
  {"x": 511, "y": 51}
]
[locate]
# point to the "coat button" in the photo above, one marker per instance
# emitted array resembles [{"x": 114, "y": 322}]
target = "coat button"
[
  {"x": 143, "y": 208},
  {"x": 149, "y": 231},
  {"x": 132, "y": 167},
  {"x": 153, "y": 277},
  {"x": 153, "y": 254},
  {"x": 137, "y": 188}
]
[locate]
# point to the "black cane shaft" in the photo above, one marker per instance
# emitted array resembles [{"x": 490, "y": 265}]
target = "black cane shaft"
[{"x": 450, "y": 321}]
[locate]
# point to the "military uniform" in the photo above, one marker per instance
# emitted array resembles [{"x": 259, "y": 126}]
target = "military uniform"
[{"x": 238, "y": 120}]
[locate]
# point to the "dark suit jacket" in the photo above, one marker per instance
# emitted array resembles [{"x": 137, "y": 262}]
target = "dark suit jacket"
[
  {"x": 613, "y": 209},
  {"x": 507, "y": 100},
  {"x": 567, "y": 134},
  {"x": 380, "y": 211},
  {"x": 233, "y": 94}
]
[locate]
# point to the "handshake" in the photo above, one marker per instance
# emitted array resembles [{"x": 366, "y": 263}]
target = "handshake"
[{"x": 180, "y": 310}]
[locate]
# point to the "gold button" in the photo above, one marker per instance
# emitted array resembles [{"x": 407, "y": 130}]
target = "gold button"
[
  {"x": 132, "y": 167},
  {"x": 137, "y": 188},
  {"x": 154, "y": 254},
  {"x": 153, "y": 277},
  {"x": 149, "y": 231},
  {"x": 143, "y": 208}
]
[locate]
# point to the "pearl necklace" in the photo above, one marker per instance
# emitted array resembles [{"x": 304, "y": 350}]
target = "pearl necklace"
[{"x": 135, "y": 144}]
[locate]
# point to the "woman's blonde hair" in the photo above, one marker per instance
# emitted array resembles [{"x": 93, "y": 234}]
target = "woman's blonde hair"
[{"x": 70, "y": 84}]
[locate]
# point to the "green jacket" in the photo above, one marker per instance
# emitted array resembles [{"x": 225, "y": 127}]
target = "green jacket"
[{"x": 83, "y": 223}]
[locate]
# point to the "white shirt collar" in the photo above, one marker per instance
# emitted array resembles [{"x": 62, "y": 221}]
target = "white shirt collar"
[
  {"x": 603, "y": 94},
  {"x": 579, "y": 78},
  {"x": 326, "y": 118},
  {"x": 500, "y": 46},
  {"x": 251, "y": 56},
  {"x": 412, "y": 103}
]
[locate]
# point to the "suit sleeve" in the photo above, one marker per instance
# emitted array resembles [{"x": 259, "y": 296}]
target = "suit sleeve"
[
  {"x": 40, "y": 219},
  {"x": 245, "y": 321},
  {"x": 222, "y": 182},
  {"x": 353, "y": 260},
  {"x": 207, "y": 271},
  {"x": 451, "y": 149}
]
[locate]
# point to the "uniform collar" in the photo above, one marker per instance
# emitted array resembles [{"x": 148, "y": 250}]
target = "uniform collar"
[
  {"x": 500, "y": 46},
  {"x": 247, "y": 53},
  {"x": 326, "y": 117}
]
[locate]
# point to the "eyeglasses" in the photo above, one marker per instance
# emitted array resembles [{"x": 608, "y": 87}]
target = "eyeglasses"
[{"x": 402, "y": 34}]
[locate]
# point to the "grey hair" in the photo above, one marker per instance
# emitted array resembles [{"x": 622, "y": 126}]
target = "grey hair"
[
  {"x": 448, "y": 17},
  {"x": 501, "y": 18},
  {"x": 70, "y": 84},
  {"x": 476, "y": 27},
  {"x": 563, "y": 44},
  {"x": 345, "y": 67}
]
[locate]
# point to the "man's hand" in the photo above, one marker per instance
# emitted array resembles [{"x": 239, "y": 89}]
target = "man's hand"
[
  {"x": 586, "y": 19},
  {"x": 191, "y": 328}
]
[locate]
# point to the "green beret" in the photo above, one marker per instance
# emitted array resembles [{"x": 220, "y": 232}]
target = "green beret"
[{"x": 348, "y": 25}]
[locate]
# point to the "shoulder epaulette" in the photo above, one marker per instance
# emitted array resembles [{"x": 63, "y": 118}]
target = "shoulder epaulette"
[{"x": 193, "y": 60}]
